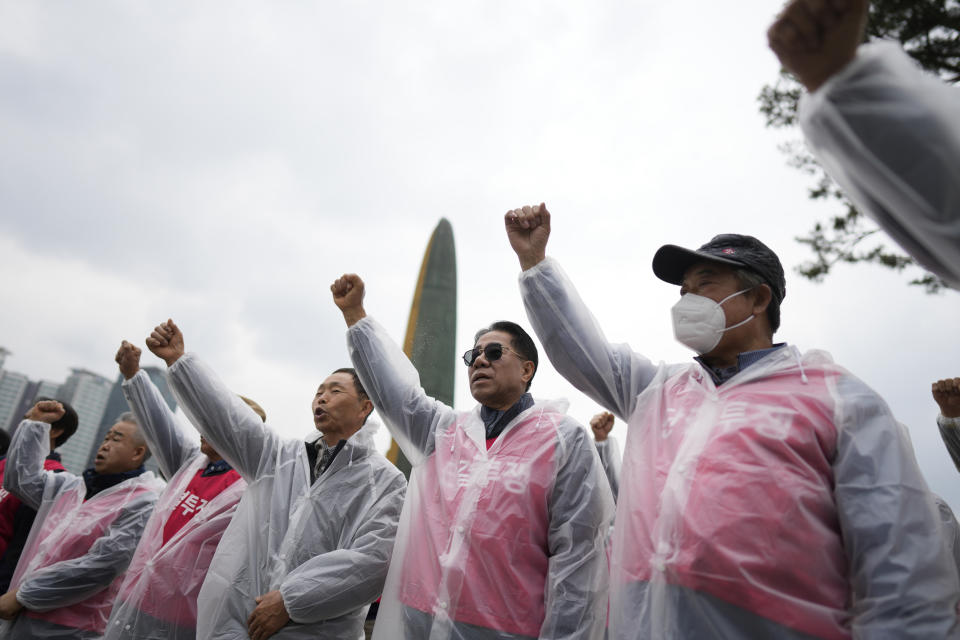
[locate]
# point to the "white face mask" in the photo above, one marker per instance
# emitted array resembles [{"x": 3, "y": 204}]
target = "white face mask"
[{"x": 699, "y": 322}]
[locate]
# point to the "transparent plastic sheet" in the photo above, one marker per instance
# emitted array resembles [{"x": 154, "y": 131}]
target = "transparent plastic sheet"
[
  {"x": 951, "y": 530},
  {"x": 889, "y": 135},
  {"x": 158, "y": 596},
  {"x": 610, "y": 458},
  {"x": 74, "y": 559},
  {"x": 326, "y": 547},
  {"x": 786, "y": 503},
  {"x": 502, "y": 543}
]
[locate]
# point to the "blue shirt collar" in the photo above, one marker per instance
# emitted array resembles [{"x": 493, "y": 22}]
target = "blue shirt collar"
[{"x": 744, "y": 360}]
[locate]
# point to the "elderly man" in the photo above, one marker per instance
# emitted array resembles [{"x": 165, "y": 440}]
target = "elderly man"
[
  {"x": 16, "y": 518},
  {"x": 309, "y": 546},
  {"x": 765, "y": 493},
  {"x": 158, "y": 597},
  {"x": 503, "y": 529},
  {"x": 86, "y": 530},
  {"x": 885, "y": 131}
]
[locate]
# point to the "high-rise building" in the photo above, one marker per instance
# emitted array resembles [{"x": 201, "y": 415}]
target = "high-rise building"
[
  {"x": 34, "y": 390},
  {"x": 88, "y": 393},
  {"x": 18, "y": 393},
  {"x": 117, "y": 406},
  {"x": 12, "y": 388}
]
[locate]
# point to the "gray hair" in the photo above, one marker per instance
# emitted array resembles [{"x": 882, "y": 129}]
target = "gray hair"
[{"x": 138, "y": 439}]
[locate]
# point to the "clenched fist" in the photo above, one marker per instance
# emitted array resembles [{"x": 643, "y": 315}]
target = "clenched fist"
[
  {"x": 814, "y": 39},
  {"x": 128, "y": 357},
  {"x": 601, "y": 424},
  {"x": 48, "y": 411},
  {"x": 947, "y": 395},
  {"x": 348, "y": 292},
  {"x": 528, "y": 229},
  {"x": 166, "y": 342}
]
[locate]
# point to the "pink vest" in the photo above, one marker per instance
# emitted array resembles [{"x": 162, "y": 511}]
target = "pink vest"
[
  {"x": 729, "y": 491},
  {"x": 478, "y": 537},
  {"x": 67, "y": 531}
]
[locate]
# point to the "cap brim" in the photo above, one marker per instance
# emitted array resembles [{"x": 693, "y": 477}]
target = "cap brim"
[{"x": 670, "y": 262}]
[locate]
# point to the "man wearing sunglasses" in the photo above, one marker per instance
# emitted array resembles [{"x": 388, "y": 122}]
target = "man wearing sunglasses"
[
  {"x": 766, "y": 493},
  {"x": 502, "y": 534}
]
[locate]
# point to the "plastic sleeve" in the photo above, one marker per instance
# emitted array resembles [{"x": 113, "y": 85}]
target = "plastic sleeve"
[
  {"x": 609, "y": 452},
  {"x": 903, "y": 581},
  {"x": 338, "y": 582},
  {"x": 581, "y": 511},
  {"x": 166, "y": 435},
  {"x": 951, "y": 530},
  {"x": 889, "y": 135},
  {"x": 233, "y": 429},
  {"x": 393, "y": 385},
  {"x": 72, "y": 581},
  {"x": 24, "y": 475},
  {"x": 612, "y": 375},
  {"x": 950, "y": 432}
]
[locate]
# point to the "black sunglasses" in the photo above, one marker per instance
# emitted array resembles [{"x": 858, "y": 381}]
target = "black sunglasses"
[{"x": 492, "y": 352}]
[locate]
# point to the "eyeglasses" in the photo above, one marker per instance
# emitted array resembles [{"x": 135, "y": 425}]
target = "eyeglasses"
[{"x": 492, "y": 352}]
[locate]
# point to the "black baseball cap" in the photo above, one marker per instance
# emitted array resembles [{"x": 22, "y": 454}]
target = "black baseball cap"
[{"x": 671, "y": 262}]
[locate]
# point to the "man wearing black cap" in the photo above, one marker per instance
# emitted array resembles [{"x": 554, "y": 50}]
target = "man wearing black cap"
[{"x": 765, "y": 492}]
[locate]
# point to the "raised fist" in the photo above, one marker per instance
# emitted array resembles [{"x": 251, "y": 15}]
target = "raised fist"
[
  {"x": 166, "y": 342},
  {"x": 601, "y": 424},
  {"x": 814, "y": 39},
  {"x": 128, "y": 357},
  {"x": 528, "y": 229},
  {"x": 348, "y": 292},
  {"x": 48, "y": 411},
  {"x": 947, "y": 394}
]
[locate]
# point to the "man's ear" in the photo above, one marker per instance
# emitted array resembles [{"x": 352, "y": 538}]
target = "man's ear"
[
  {"x": 140, "y": 452},
  {"x": 762, "y": 295},
  {"x": 528, "y": 370},
  {"x": 366, "y": 406},
  {"x": 56, "y": 432}
]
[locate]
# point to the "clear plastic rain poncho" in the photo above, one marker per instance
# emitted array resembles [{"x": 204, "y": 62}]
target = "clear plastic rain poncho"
[
  {"x": 158, "y": 596},
  {"x": 889, "y": 134},
  {"x": 785, "y": 503},
  {"x": 505, "y": 542},
  {"x": 325, "y": 546},
  {"x": 75, "y": 557},
  {"x": 610, "y": 458}
]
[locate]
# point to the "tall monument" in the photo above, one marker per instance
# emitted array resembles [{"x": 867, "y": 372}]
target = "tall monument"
[{"x": 431, "y": 337}]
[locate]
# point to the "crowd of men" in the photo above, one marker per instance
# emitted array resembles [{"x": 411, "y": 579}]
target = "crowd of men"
[{"x": 764, "y": 492}]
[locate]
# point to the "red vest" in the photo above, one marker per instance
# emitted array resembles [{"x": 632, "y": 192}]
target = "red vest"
[
  {"x": 170, "y": 564},
  {"x": 195, "y": 497}
]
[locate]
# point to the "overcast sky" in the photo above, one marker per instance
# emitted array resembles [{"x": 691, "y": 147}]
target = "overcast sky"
[{"x": 221, "y": 163}]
